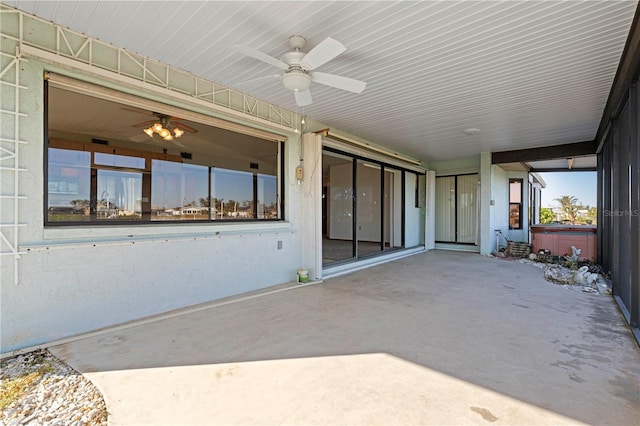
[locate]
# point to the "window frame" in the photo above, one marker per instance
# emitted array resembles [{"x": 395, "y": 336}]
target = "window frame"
[
  {"x": 148, "y": 156},
  {"x": 513, "y": 204}
]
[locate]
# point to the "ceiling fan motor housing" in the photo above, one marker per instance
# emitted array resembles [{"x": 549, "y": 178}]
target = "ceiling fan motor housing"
[
  {"x": 296, "y": 80},
  {"x": 293, "y": 58},
  {"x": 296, "y": 41}
]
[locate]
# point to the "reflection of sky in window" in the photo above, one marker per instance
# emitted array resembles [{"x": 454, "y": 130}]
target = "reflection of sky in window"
[
  {"x": 238, "y": 186},
  {"x": 70, "y": 157},
  {"x": 177, "y": 184},
  {"x": 232, "y": 185},
  {"x": 267, "y": 189},
  {"x": 118, "y": 160}
]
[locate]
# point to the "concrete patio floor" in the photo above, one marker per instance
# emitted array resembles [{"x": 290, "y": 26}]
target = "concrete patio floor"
[{"x": 435, "y": 338}]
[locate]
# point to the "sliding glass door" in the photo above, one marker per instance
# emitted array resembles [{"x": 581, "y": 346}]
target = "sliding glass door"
[
  {"x": 337, "y": 208},
  {"x": 362, "y": 207},
  {"x": 369, "y": 208},
  {"x": 457, "y": 209}
]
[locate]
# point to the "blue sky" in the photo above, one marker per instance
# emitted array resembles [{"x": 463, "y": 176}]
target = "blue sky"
[{"x": 582, "y": 185}]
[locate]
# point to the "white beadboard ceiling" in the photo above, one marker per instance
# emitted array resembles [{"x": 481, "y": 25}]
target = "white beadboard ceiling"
[{"x": 525, "y": 73}]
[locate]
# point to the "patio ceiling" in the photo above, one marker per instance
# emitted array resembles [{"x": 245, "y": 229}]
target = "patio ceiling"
[{"x": 526, "y": 74}]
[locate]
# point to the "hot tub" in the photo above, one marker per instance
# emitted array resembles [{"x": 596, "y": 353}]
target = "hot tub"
[{"x": 558, "y": 238}]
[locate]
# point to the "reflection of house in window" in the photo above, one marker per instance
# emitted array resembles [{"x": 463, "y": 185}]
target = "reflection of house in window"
[
  {"x": 515, "y": 203},
  {"x": 191, "y": 210},
  {"x": 244, "y": 212}
]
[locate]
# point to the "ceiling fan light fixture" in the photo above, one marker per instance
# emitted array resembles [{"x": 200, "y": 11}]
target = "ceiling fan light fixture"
[
  {"x": 296, "y": 81},
  {"x": 164, "y": 133},
  {"x": 149, "y": 131},
  {"x": 169, "y": 137},
  {"x": 157, "y": 127},
  {"x": 178, "y": 132}
]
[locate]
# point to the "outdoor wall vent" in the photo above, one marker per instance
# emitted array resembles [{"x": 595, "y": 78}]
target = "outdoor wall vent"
[
  {"x": 254, "y": 166},
  {"x": 186, "y": 155}
]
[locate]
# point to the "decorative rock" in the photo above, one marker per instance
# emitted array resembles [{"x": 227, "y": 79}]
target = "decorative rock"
[
  {"x": 60, "y": 396},
  {"x": 566, "y": 277},
  {"x": 559, "y": 275}
]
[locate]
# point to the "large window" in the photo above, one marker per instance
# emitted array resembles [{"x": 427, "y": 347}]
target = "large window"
[{"x": 102, "y": 167}]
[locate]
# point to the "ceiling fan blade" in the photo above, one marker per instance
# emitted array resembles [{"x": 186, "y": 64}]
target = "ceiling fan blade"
[
  {"x": 180, "y": 125},
  {"x": 322, "y": 53},
  {"x": 339, "y": 82},
  {"x": 140, "y": 138},
  {"x": 145, "y": 123},
  {"x": 303, "y": 98},
  {"x": 256, "y": 54}
]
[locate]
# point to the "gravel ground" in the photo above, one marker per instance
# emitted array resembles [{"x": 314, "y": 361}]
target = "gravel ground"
[{"x": 38, "y": 389}]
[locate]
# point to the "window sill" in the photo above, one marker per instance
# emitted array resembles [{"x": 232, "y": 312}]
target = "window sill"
[{"x": 65, "y": 236}]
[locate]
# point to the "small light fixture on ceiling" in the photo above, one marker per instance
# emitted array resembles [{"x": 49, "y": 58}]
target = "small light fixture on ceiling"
[
  {"x": 296, "y": 80},
  {"x": 163, "y": 128},
  {"x": 471, "y": 131}
]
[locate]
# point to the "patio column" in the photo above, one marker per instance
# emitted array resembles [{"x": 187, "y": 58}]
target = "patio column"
[
  {"x": 311, "y": 204},
  {"x": 486, "y": 209}
]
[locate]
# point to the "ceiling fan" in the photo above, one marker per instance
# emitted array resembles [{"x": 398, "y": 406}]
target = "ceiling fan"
[
  {"x": 299, "y": 67},
  {"x": 167, "y": 127}
]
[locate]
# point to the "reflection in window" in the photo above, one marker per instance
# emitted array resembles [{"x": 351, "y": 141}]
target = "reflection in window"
[
  {"x": 267, "y": 197},
  {"x": 124, "y": 161},
  {"x": 232, "y": 194},
  {"x": 211, "y": 174},
  {"x": 515, "y": 203},
  {"x": 119, "y": 195},
  {"x": 179, "y": 191},
  {"x": 69, "y": 186}
]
